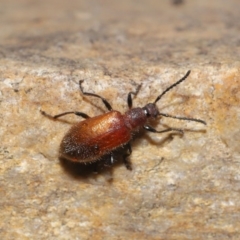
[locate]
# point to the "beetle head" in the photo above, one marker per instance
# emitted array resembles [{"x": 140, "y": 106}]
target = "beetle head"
[{"x": 151, "y": 110}]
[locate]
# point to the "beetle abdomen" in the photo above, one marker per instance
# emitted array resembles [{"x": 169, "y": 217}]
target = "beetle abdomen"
[{"x": 89, "y": 140}]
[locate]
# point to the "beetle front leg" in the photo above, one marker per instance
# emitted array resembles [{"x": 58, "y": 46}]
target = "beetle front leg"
[
  {"x": 129, "y": 98},
  {"x": 151, "y": 129}
]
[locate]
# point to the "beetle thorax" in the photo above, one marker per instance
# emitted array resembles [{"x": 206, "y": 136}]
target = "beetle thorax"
[{"x": 137, "y": 117}]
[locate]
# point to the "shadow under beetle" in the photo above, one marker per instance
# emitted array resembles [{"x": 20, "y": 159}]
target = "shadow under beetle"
[{"x": 96, "y": 138}]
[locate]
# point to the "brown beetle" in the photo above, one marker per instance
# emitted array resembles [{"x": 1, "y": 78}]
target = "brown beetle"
[{"x": 96, "y": 138}]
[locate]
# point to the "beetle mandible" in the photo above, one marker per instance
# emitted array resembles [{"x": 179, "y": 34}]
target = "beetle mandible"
[{"x": 96, "y": 138}]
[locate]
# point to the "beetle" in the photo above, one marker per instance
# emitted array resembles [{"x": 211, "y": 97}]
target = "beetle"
[{"x": 95, "y": 138}]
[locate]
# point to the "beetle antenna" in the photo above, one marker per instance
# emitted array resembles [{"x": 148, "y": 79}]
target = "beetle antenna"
[
  {"x": 172, "y": 86},
  {"x": 183, "y": 118}
]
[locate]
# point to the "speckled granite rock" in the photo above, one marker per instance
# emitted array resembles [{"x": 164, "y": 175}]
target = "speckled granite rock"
[{"x": 181, "y": 187}]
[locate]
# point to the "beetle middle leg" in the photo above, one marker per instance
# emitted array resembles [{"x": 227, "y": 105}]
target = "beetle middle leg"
[
  {"x": 105, "y": 102},
  {"x": 126, "y": 161},
  {"x": 106, "y": 162}
]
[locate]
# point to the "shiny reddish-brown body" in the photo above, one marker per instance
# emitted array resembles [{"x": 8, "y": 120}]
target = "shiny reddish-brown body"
[
  {"x": 89, "y": 140},
  {"x": 95, "y": 139}
]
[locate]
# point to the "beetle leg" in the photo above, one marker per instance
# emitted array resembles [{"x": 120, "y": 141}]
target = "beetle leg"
[
  {"x": 151, "y": 129},
  {"x": 81, "y": 114},
  {"x": 129, "y": 98},
  {"x": 111, "y": 158},
  {"x": 107, "y": 160},
  {"x": 126, "y": 155},
  {"x": 105, "y": 102}
]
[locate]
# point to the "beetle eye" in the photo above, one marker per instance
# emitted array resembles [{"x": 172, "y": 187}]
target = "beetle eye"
[{"x": 146, "y": 112}]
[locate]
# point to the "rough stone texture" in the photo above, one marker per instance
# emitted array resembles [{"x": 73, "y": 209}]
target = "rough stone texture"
[{"x": 180, "y": 187}]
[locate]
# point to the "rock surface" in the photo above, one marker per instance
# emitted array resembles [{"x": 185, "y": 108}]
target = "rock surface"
[{"x": 181, "y": 187}]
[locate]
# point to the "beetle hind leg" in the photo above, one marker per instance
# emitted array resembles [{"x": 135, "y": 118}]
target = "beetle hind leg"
[{"x": 80, "y": 114}]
